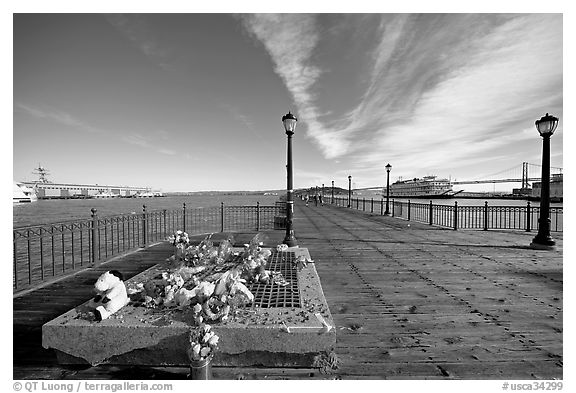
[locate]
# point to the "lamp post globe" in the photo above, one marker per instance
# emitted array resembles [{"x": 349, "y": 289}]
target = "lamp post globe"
[
  {"x": 289, "y": 121},
  {"x": 388, "y": 168},
  {"x": 546, "y": 126}
]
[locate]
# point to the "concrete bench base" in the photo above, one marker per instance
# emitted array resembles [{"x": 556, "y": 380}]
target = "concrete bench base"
[{"x": 272, "y": 337}]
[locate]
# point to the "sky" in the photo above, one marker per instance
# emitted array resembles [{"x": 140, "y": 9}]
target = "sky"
[{"x": 194, "y": 101}]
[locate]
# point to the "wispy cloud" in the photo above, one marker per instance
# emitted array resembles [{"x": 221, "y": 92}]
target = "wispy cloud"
[
  {"x": 481, "y": 96},
  {"x": 56, "y": 116},
  {"x": 147, "y": 142},
  {"x": 135, "y": 28},
  {"x": 291, "y": 39},
  {"x": 153, "y": 142},
  {"x": 440, "y": 89}
]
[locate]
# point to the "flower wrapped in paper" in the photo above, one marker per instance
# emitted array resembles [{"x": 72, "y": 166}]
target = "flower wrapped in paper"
[
  {"x": 203, "y": 342},
  {"x": 202, "y": 254},
  {"x": 180, "y": 241},
  {"x": 225, "y": 251}
]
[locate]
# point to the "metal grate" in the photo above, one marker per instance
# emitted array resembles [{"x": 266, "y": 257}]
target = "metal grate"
[{"x": 273, "y": 294}]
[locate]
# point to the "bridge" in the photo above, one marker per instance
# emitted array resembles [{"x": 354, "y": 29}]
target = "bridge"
[
  {"x": 512, "y": 175},
  {"x": 515, "y": 174}
]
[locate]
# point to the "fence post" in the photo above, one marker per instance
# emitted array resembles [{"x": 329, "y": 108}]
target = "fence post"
[
  {"x": 485, "y": 215},
  {"x": 257, "y": 216},
  {"x": 363, "y": 204},
  {"x": 528, "y": 215},
  {"x": 408, "y": 209},
  {"x": 184, "y": 217},
  {"x": 95, "y": 233},
  {"x": 455, "y": 215},
  {"x": 221, "y": 216},
  {"x": 144, "y": 229},
  {"x": 431, "y": 215},
  {"x": 371, "y": 205},
  {"x": 164, "y": 218}
]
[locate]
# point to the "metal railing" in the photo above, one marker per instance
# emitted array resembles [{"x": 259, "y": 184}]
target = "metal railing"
[
  {"x": 43, "y": 252},
  {"x": 483, "y": 217}
]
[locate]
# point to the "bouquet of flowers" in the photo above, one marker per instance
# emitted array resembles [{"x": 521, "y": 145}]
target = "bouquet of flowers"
[
  {"x": 203, "y": 343},
  {"x": 202, "y": 254},
  {"x": 225, "y": 251},
  {"x": 180, "y": 239}
]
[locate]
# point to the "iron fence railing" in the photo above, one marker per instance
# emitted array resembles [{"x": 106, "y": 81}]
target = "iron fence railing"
[
  {"x": 43, "y": 252},
  {"x": 454, "y": 216}
]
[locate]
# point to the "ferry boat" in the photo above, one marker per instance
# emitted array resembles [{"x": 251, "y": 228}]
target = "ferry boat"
[
  {"x": 426, "y": 187},
  {"x": 23, "y": 194}
]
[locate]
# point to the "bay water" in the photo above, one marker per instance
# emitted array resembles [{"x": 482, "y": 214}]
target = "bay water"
[{"x": 47, "y": 211}]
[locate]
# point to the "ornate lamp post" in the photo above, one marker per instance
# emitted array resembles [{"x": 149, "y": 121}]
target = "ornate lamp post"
[
  {"x": 289, "y": 121},
  {"x": 349, "y": 190},
  {"x": 388, "y": 167},
  {"x": 546, "y": 127}
]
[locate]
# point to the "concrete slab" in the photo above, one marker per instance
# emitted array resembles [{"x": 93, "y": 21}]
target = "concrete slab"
[{"x": 293, "y": 332}]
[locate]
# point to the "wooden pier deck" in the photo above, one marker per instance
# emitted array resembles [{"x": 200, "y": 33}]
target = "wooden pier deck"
[{"x": 409, "y": 301}]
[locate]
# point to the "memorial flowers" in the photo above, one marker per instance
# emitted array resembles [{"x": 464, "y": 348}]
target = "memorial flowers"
[
  {"x": 180, "y": 241},
  {"x": 203, "y": 343},
  {"x": 210, "y": 281}
]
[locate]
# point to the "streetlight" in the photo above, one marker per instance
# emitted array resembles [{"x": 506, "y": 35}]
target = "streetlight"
[
  {"x": 289, "y": 121},
  {"x": 388, "y": 167},
  {"x": 546, "y": 127},
  {"x": 332, "y": 199},
  {"x": 349, "y": 190}
]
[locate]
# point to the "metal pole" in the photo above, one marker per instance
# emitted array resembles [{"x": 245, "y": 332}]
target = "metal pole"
[
  {"x": 332, "y": 199},
  {"x": 349, "y": 190},
  {"x": 289, "y": 239},
  {"x": 455, "y": 215},
  {"x": 94, "y": 236},
  {"x": 144, "y": 229},
  {"x": 486, "y": 215},
  {"x": 221, "y": 216},
  {"x": 184, "y": 218},
  {"x": 543, "y": 238},
  {"x": 387, "y": 212},
  {"x": 528, "y": 216},
  {"x": 164, "y": 218},
  {"x": 257, "y": 216}
]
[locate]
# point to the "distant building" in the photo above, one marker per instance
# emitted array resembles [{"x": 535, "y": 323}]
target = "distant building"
[
  {"x": 524, "y": 192},
  {"x": 556, "y": 188}
]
